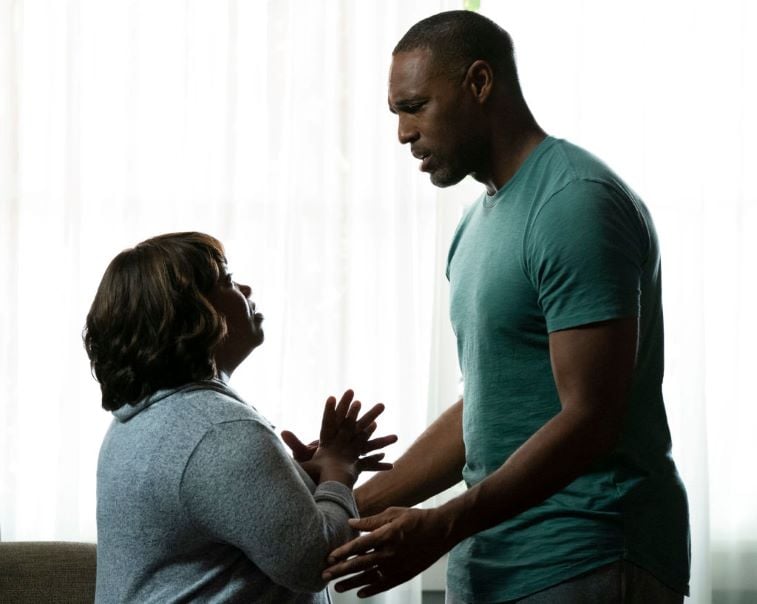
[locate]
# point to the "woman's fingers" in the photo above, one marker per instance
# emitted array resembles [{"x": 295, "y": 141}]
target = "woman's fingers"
[
  {"x": 352, "y": 412},
  {"x": 329, "y": 423},
  {"x": 344, "y": 403},
  {"x": 370, "y": 416},
  {"x": 380, "y": 442},
  {"x": 342, "y": 423},
  {"x": 300, "y": 451},
  {"x": 373, "y": 463}
]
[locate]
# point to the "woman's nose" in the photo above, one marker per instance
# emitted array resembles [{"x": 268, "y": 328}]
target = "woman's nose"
[{"x": 246, "y": 290}]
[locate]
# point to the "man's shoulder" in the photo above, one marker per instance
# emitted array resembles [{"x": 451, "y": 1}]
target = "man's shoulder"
[
  {"x": 571, "y": 163},
  {"x": 565, "y": 162},
  {"x": 569, "y": 175}
]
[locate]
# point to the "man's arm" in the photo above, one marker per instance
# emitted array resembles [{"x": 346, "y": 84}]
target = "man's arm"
[
  {"x": 593, "y": 368},
  {"x": 433, "y": 463}
]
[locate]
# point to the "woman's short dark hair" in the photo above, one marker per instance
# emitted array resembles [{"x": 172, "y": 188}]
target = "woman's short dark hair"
[{"x": 150, "y": 325}]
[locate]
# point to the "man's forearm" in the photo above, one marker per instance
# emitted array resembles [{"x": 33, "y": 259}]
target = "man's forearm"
[
  {"x": 433, "y": 463},
  {"x": 554, "y": 456},
  {"x": 593, "y": 366}
]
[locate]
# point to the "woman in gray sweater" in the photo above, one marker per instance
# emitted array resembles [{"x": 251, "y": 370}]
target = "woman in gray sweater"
[{"x": 197, "y": 499}]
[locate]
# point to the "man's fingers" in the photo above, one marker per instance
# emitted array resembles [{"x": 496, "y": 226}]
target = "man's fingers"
[
  {"x": 369, "y": 541},
  {"x": 362, "y": 579},
  {"x": 372, "y": 523},
  {"x": 350, "y": 567},
  {"x": 376, "y": 588},
  {"x": 359, "y": 545},
  {"x": 374, "y": 580}
]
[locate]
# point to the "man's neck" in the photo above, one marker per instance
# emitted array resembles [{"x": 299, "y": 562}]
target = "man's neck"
[{"x": 507, "y": 153}]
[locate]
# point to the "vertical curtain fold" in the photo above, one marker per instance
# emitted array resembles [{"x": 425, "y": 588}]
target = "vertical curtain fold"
[{"x": 265, "y": 124}]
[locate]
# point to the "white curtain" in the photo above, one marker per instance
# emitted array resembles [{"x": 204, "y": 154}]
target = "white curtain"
[
  {"x": 263, "y": 123},
  {"x": 266, "y": 125}
]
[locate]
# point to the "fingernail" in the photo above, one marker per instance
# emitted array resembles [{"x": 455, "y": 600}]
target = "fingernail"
[{"x": 326, "y": 576}]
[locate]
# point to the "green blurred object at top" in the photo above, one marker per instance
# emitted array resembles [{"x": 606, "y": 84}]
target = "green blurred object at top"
[{"x": 471, "y": 4}]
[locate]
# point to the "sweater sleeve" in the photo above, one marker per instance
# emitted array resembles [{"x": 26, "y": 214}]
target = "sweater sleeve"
[{"x": 240, "y": 487}]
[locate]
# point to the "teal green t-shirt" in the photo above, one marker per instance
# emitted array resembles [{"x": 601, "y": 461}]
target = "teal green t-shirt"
[{"x": 564, "y": 243}]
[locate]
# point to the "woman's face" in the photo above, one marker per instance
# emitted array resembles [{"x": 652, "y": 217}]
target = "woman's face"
[{"x": 244, "y": 325}]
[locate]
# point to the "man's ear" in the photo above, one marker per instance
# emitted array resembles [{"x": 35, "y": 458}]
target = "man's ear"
[{"x": 479, "y": 80}]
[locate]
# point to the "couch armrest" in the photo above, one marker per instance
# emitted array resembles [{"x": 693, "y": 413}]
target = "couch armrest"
[{"x": 47, "y": 571}]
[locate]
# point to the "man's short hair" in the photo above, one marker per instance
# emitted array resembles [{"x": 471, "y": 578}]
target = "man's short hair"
[
  {"x": 151, "y": 325},
  {"x": 457, "y": 38}
]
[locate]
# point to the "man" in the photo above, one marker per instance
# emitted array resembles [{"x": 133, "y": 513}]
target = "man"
[{"x": 561, "y": 435}]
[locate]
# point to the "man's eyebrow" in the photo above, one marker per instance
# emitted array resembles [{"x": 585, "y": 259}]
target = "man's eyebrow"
[{"x": 403, "y": 104}]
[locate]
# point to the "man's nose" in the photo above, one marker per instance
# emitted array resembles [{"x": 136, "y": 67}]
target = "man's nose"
[{"x": 406, "y": 131}]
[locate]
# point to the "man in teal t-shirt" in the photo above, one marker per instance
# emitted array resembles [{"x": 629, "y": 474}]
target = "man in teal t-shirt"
[
  {"x": 564, "y": 244},
  {"x": 561, "y": 435}
]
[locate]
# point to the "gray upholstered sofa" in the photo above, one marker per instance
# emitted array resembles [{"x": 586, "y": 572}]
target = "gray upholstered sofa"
[{"x": 34, "y": 572}]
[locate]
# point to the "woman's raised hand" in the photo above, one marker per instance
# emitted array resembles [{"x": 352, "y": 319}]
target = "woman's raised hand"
[{"x": 345, "y": 440}]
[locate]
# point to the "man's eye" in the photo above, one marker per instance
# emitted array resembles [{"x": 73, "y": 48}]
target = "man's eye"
[{"x": 414, "y": 108}]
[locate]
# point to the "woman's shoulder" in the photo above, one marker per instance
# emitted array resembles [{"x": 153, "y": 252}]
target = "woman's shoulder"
[{"x": 215, "y": 402}]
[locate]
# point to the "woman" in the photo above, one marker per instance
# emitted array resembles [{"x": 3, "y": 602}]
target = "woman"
[{"x": 197, "y": 499}]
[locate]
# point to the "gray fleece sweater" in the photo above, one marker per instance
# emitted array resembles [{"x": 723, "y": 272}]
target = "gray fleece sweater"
[{"x": 198, "y": 501}]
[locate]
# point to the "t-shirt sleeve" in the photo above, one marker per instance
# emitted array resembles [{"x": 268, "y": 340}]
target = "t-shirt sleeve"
[
  {"x": 241, "y": 487},
  {"x": 584, "y": 251}
]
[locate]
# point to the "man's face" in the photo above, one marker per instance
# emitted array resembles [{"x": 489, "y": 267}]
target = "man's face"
[{"x": 433, "y": 112}]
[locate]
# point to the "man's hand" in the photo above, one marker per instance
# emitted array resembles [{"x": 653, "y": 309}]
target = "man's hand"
[{"x": 402, "y": 543}]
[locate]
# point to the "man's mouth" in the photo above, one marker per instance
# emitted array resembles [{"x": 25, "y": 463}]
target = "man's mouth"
[{"x": 424, "y": 157}]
